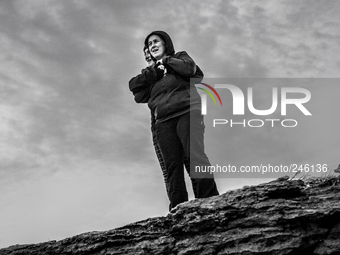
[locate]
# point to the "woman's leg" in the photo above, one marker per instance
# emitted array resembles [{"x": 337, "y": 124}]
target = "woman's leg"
[
  {"x": 158, "y": 151},
  {"x": 160, "y": 160},
  {"x": 190, "y": 129},
  {"x": 193, "y": 180},
  {"x": 172, "y": 152}
]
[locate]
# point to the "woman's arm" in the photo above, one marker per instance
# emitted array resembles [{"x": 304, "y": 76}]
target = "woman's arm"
[
  {"x": 182, "y": 63},
  {"x": 198, "y": 75},
  {"x": 141, "y": 85}
]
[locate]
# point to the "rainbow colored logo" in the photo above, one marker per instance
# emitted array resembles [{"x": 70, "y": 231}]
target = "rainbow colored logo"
[{"x": 208, "y": 92}]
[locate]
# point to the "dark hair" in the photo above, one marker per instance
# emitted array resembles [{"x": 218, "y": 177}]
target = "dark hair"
[{"x": 169, "y": 47}]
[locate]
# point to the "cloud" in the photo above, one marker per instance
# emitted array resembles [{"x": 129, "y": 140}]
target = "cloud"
[{"x": 71, "y": 135}]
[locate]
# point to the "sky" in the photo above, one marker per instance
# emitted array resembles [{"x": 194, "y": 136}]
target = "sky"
[{"x": 75, "y": 149}]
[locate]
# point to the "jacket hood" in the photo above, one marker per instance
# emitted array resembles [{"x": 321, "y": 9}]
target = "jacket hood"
[{"x": 170, "y": 50}]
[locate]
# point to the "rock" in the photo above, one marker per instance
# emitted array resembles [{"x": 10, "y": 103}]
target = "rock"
[
  {"x": 337, "y": 170},
  {"x": 280, "y": 217}
]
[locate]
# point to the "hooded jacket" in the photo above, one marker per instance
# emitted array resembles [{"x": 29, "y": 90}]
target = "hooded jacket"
[{"x": 171, "y": 95}]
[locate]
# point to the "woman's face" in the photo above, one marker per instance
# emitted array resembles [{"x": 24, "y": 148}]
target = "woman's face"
[{"x": 156, "y": 47}]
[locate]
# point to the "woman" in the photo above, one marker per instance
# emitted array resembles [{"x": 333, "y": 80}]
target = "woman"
[
  {"x": 166, "y": 88},
  {"x": 199, "y": 76}
]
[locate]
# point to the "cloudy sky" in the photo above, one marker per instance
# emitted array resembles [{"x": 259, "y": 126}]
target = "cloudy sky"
[{"x": 75, "y": 149}]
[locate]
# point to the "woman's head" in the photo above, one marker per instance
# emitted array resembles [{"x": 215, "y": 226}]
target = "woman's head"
[
  {"x": 157, "y": 47},
  {"x": 159, "y": 44},
  {"x": 147, "y": 56}
]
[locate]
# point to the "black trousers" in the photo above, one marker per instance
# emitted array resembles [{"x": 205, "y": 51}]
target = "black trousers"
[
  {"x": 162, "y": 163},
  {"x": 184, "y": 136}
]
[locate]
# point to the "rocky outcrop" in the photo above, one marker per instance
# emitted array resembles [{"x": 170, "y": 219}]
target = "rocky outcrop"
[{"x": 279, "y": 217}]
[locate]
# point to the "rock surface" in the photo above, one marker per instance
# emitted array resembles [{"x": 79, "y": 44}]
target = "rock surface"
[{"x": 280, "y": 217}]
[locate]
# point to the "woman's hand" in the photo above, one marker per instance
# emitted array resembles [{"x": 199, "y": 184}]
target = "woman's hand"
[
  {"x": 160, "y": 70},
  {"x": 160, "y": 65}
]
